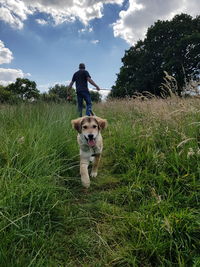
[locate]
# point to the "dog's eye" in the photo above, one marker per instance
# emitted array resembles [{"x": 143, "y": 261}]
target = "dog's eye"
[
  {"x": 94, "y": 126},
  {"x": 84, "y": 127}
]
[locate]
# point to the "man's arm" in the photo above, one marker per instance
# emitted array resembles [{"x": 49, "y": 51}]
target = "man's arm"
[
  {"x": 70, "y": 85},
  {"x": 68, "y": 91},
  {"x": 93, "y": 83}
]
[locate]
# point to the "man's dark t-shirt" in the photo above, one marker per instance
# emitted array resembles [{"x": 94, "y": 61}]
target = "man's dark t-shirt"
[{"x": 80, "y": 77}]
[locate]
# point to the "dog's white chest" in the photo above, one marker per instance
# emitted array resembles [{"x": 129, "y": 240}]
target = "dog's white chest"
[{"x": 90, "y": 151}]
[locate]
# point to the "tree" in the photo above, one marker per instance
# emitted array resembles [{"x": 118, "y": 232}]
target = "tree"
[
  {"x": 60, "y": 92},
  {"x": 24, "y": 89},
  {"x": 6, "y": 96},
  {"x": 171, "y": 46},
  {"x": 95, "y": 96}
]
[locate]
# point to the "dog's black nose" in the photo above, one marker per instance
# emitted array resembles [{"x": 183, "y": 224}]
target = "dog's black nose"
[{"x": 90, "y": 136}]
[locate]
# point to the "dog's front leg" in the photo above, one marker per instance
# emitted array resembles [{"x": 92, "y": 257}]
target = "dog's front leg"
[
  {"x": 84, "y": 172},
  {"x": 95, "y": 165}
]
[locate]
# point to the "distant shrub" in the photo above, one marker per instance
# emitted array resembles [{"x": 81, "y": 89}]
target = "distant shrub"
[
  {"x": 95, "y": 96},
  {"x": 7, "y": 96}
]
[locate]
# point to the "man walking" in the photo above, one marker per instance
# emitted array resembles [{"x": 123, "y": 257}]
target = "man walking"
[{"x": 82, "y": 77}]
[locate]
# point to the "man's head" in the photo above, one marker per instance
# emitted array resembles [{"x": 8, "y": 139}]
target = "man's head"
[{"x": 81, "y": 66}]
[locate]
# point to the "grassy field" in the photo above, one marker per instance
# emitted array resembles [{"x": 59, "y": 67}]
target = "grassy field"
[{"x": 142, "y": 210}]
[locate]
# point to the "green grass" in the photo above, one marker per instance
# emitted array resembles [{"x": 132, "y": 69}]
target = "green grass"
[{"x": 142, "y": 210}]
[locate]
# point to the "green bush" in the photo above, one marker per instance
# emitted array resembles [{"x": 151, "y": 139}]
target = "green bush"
[{"x": 7, "y": 96}]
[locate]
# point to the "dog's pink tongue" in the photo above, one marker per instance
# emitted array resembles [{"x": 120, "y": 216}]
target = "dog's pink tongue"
[{"x": 91, "y": 142}]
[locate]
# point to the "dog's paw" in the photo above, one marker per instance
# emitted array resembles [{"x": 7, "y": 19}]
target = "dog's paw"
[
  {"x": 85, "y": 181},
  {"x": 93, "y": 174},
  {"x": 86, "y": 185}
]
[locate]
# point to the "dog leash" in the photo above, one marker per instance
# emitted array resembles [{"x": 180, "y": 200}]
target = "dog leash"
[{"x": 92, "y": 113}]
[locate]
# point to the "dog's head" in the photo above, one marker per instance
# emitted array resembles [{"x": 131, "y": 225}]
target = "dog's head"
[{"x": 89, "y": 127}]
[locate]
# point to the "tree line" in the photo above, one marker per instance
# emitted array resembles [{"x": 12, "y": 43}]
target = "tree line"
[
  {"x": 24, "y": 90},
  {"x": 169, "y": 46}
]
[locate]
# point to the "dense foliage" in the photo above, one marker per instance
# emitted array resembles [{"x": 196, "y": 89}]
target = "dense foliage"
[
  {"x": 59, "y": 93},
  {"x": 21, "y": 90},
  {"x": 26, "y": 90},
  {"x": 172, "y": 46},
  {"x": 6, "y": 96},
  {"x": 95, "y": 96}
]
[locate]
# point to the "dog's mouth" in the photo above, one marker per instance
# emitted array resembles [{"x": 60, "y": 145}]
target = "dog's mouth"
[{"x": 91, "y": 141}]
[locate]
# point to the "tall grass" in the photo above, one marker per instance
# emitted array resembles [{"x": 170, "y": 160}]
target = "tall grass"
[{"x": 142, "y": 209}]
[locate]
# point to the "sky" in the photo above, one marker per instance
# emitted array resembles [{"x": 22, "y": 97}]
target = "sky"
[{"x": 45, "y": 40}]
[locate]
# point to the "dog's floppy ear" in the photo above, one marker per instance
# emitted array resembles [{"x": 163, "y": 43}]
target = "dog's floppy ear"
[
  {"x": 76, "y": 124},
  {"x": 102, "y": 123}
]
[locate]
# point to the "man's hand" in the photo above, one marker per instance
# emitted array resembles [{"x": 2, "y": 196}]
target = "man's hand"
[
  {"x": 70, "y": 85},
  {"x": 93, "y": 83}
]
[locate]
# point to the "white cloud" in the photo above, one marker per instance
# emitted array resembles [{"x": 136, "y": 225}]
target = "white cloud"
[
  {"x": 8, "y": 76},
  {"x": 85, "y": 30},
  {"x": 104, "y": 94},
  {"x": 41, "y": 21},
  {"x": 90, "y": 29},
  {"x": 5, "y": 54},
  {"x": 141, "y": 14},
  {"x": 131, "y": 25},
  {"x": 95, "y": 41},
  {"x": 15, "y": 12}
]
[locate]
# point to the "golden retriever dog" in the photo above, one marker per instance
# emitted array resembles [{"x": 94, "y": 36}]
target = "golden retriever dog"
[{"x": 91, "y": 144}]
